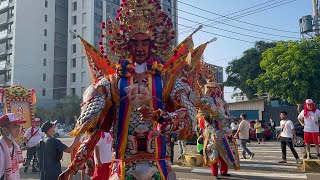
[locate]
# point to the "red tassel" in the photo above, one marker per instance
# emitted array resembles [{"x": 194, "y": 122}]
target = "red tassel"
[
  {"x": 103, "y": 135},
  {"x": 32, "y": 129}
]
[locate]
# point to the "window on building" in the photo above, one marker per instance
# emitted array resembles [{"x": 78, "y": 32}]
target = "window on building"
[
  {"x": 74, "y": 48},
  {"x": 73, "y": 91},
  {"x": 74, "y": 62},
  {"x": 97, "y": 32},
  {"x": 114, "y": 12},
  {"x": 8, "y": 76},
  {"x": 9, "y": 58},
  {"x": 83, "y": 61},
  {"x": 116, "y": 2},
  {"x": 43, "y": 92},
  {"x": 45, "y": 18},
  {"x": 84, "y": 16},
  {"x": 9, "y": 44},
  {"x": 98, "y": 4},
  {"x": 46, "y": 3},
  {"x": 44, "y": 77},
  {"x": 11, "y": 12},
  {"x": 74, "y": 36},
  {"x": 84, "y": 32},
  {"x": 10, "y": 27},
  {"x": 45, "y": 47},
  {"x": 45, "y": 32},
  {"x": 74, "y": 6},
  {"x": 44, "y": 62},
  {"x": 83, "y": 74},
  {"x": 74, "y": 20},
  {"x": 73, "y": 77}
]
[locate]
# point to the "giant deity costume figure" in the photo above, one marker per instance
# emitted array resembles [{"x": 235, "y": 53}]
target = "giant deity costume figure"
[
  {"x": 144, "y": 100},
  {"x": 213, "y": 110}
]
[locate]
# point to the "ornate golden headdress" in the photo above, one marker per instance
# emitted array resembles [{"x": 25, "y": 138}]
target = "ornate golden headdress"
[{"x": 136, "y": 16}]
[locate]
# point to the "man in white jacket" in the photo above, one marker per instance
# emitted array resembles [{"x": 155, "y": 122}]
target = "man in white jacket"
[
  {"x": 10, "y": 154},
  {"x": 32, "y": 137}
]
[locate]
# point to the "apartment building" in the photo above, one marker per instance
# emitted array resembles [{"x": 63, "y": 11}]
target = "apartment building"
[
  {"x": 33, "y": 46},
  {"x": 85, "y": 17},
  {"x": 170, "y": 7}
]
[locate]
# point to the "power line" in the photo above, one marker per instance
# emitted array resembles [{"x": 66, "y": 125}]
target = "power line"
[
  {"x": 219, "y": 35},
  {"x": 230, "y": 31},
  {"x": 219, "y": 22},
  {"x": 245, "y": 14},
  {"x": 224, "y": 59}
]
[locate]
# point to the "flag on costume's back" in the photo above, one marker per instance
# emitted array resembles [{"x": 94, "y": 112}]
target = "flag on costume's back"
[{"x": 99, "y": 66}]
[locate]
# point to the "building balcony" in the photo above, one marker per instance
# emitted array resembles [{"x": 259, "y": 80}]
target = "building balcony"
[
  {"x": 10, "y": 34},
  {"x": 3, "y": 22},
  {"x": 2, "y": 65},
  {"x": 8, "y": 66},
  {"x": 5, "y": 84},
  {"x": 11, "y": 3},
  {"x": 3, "y": 34},
  {"x": 4, "y": 4}
]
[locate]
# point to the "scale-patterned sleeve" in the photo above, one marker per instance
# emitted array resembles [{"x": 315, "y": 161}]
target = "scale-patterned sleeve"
[
  {"x": 184, "y": 116},
  {"x": 96, "y": 100}
]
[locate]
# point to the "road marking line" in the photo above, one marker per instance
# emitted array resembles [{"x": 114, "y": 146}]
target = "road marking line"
[
  {"x": 272, "y": 175},
  {"x": 266, "y": 161},
  {"x": 267, "y": 166}
]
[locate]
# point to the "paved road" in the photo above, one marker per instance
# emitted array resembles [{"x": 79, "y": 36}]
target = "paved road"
[{"x": 264, "y": 166}]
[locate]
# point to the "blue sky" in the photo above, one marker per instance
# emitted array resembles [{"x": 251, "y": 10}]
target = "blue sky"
[{"x": 284, "y": 17}]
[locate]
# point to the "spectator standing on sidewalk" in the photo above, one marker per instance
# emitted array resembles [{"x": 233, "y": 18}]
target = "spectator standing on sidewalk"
[
  {"x": 287, "y": 137},
  {"x": 182, "y": 147},
  {"x": 10, "y": 153},
  {"x": 308, "y": 118},
  {"x": 32, "y": 137},
  {"x": 259, "y": 133},
  {"x": 234, "y": 127},
  {"x": 51, "y": 152},
  {"x": 243, "y": 133},
  {"x": 173, "y": 138},
  {"x": 272, "y": 126}
]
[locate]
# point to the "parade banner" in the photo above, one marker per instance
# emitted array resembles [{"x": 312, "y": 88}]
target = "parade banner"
[{"x": 19, "y": 100}]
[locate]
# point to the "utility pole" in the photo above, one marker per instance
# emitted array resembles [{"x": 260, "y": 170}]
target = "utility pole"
[{"x": 316, "y": 19}]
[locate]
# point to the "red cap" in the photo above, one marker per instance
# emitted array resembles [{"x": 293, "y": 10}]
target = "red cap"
[
  {"x": 309, "y": 101},
  {"x": 10, "y": 118},
  {"x": 36, "y": 120}
]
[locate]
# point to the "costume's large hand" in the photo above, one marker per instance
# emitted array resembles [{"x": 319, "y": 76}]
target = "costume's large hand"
[{"x": 148, "y": 114}]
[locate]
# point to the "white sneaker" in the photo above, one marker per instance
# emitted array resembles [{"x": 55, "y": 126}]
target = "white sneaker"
[{"x": 251, "y": 157}]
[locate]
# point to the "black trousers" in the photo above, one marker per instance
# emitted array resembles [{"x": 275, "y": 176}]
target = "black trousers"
[
  {"x": 172, "y": 152},
  {"x": 31, "y": 155},
  {"x": 284, "y": 142}
]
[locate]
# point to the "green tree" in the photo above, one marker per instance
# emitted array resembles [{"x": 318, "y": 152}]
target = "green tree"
[
  {"x": 247, "y": 68},
  {"x": 42, "y": 113},
  {"x": 292, "y": 71},
  {"x": 67, "y": 108}
]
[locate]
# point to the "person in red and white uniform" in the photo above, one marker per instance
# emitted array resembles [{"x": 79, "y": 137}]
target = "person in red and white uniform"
[
  {"x": 32, "y": 137},
  {"x": 309, "y": 118},
  {"x": 103, "y": 157},
  {"x": 10, "y": 154}
]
